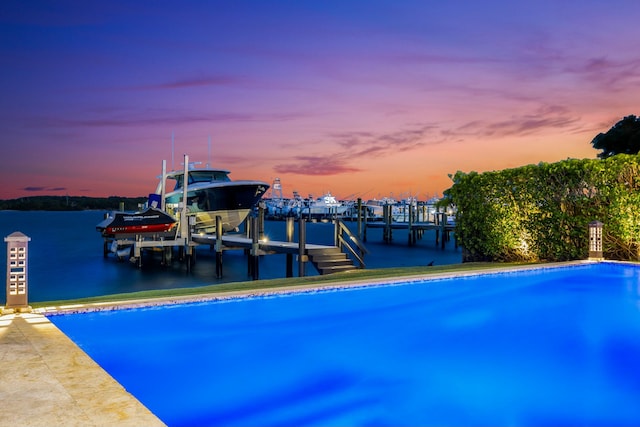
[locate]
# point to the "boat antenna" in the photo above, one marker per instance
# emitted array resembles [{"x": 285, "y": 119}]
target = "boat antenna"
[
  {"x": 172, "y": 149},
  {"x": 209, "y": 156}
]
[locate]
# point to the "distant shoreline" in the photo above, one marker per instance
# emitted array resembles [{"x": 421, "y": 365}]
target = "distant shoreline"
[{"x": 70, "y": 203}]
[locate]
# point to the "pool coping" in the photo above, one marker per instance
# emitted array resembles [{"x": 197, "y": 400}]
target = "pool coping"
[
  {"x": 47, "y": 380},
  {"x": 283, "y": 290}
]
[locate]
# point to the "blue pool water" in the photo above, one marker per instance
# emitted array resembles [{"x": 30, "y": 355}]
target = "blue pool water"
[{"x": 553, "y": 346}]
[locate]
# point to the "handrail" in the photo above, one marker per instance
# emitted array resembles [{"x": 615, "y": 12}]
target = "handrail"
[{"x": 353, "y": 240}]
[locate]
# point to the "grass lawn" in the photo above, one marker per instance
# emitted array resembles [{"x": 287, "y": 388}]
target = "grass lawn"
[{"x": 357, "y": 276}]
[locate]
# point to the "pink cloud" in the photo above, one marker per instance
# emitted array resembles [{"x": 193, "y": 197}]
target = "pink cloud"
[
  {"x": 356, "y": 146},
  {"x": 194, "y": 82},
  {"x": 317, "y": 165},
  {"x": 39, "y": 189},
  {"x": 540, "y": 120},
  {"x": 156, "y": 117},
  {"x": 371, "y": 144},
  {"x": 614, "y": 75}
]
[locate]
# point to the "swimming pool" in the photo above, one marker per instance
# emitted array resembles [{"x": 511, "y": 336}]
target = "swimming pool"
[{"x": 551, "y": 346}]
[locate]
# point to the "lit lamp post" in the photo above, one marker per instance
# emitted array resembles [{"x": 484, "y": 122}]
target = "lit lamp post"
[
  {"x": 17, "y": 258},
  {"x": 595, "y": 241}
]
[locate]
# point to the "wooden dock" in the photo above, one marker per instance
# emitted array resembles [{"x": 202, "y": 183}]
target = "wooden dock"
[
  {"x": 415, "y": 219},
  {"x": 347, "y": 253},
  {"x": 236, "y": 241},
  {"x": 326, "y": 259},
  {"x": 414, "y": 230}
]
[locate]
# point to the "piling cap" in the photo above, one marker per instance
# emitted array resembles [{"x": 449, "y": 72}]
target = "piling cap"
[{"x": 17, "y": 236}]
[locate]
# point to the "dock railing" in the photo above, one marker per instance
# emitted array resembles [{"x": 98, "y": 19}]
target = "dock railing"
[{"x": 349, "y": 242}]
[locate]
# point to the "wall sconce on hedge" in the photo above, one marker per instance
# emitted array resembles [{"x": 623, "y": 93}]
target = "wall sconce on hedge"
[{"x": 595, "y": 241}]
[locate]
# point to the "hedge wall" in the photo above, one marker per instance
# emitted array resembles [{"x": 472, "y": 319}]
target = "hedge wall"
[{"x": 541, "y": 212}]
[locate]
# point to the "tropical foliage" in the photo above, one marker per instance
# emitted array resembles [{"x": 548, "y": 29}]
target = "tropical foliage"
[
  {"x": 542, "y": 212},
  {"x": 622, "y": 138}
]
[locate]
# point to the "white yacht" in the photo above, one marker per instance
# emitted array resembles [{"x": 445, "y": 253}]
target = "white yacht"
[
  {"x": 324, "y": 206},
  {"x": 211, "y": 193}
]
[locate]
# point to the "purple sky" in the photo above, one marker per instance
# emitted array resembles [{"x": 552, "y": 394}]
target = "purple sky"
[{"x": 363, "y": 98}]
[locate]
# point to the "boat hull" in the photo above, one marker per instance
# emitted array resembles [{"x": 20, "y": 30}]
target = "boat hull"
[
  {"x": 149, "y": 221},
  {"x": 232, "y": 201},
  {"x": 323, "y": 211}
]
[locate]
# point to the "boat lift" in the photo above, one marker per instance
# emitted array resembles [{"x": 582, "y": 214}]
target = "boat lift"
[{"x": 133, "y": 244}]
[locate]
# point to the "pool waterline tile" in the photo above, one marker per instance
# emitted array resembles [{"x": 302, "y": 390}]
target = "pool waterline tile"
[{"x": 311, "y": 287}]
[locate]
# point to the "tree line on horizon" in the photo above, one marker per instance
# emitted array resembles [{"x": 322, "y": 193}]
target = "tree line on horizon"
[{"x": 71, "y": 203}]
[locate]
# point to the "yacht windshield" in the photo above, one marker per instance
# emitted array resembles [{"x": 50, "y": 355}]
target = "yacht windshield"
[{"x": 203, "y": 176}]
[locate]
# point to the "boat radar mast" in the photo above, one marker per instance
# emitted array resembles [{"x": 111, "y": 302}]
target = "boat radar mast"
[{"x": 276, "y": 190}]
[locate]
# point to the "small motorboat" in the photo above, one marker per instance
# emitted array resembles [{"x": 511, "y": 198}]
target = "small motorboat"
[{"x": 151, "y": 220}]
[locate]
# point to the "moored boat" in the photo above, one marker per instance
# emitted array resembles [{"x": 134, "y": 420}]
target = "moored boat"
[
  {"x": 323, "y": 207},
  {"x": 211, "y": 193},
  {"x": 375, "y": 207},
  {"x": 150, "y": 220}
]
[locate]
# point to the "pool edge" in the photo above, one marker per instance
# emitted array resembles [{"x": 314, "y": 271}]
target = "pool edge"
[{"x": 220, "y": 296}]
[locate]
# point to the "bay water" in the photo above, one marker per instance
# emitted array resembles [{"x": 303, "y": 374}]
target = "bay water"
[{"x": 66, "y": 261}]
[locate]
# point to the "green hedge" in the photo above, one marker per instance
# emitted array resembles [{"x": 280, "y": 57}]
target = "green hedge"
[{"x": 541, "y": 212}]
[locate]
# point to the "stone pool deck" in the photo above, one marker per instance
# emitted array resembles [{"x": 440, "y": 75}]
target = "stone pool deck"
[{"x": 47, "y": 380}]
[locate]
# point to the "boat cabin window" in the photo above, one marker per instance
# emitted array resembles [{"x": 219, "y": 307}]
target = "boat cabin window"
[
  {"x": 208, "y": 176},
  {"x": 203, "y": 176}
]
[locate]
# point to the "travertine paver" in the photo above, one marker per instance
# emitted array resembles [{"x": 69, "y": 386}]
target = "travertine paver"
[{"x": 46, "y": 380}]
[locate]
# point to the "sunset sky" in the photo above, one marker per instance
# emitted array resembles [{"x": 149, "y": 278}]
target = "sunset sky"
[{"x": 366, "y": 98}]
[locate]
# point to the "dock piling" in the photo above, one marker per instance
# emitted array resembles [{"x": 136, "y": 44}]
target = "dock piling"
[
  {"x": 289, "y": 231},
  {"x": 359, "y": 218},
  {"x": 253, "y": 255},
  {"x": 410, "y": 230},
  {"x": 218, "y": 247},
  {"x": 302, "y": 241}
]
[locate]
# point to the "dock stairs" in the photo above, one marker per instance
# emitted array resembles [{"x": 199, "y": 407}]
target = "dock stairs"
[
  {"x": 330, "y": 260},
  {"x": 343, "y": 256}
]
